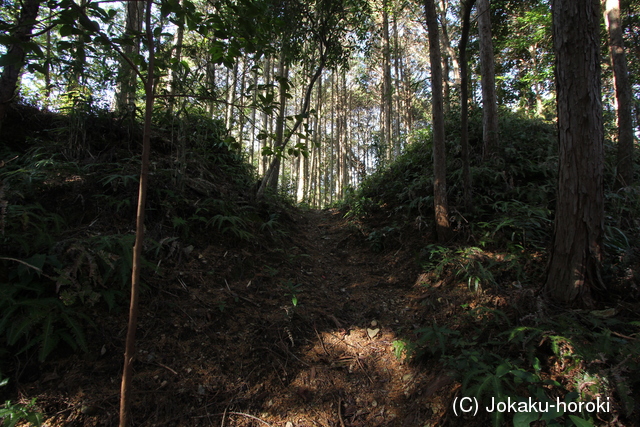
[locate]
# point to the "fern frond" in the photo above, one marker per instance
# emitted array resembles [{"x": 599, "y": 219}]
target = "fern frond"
[
  {"x": 49, "y": 338},
  {"x": 77, "y": 331}
]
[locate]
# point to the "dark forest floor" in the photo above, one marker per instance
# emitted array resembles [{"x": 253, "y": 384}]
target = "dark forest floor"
[{"x": 221, "y": 343}]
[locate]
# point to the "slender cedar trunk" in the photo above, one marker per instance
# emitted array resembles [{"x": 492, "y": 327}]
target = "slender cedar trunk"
[
  {"x": 332, "y": 176},
  {"x": 127, "y": 82},
  {"x": 386, "y": 82},
  {"x": 451, "y": 53},
  {"x": 262, "y": 165},
  {"x": 446, "y": 88},
  {"x": 231, "y": 80},
  {"x": 576, "y": 257},
  {"x": 211, "y": 86},
  {"x": 533, "y": 53},
  {"x": 464, "y": 105},
  {"x": 623, "y": 93},
  {"x": 47, "y": 66},
  {"x": 278, "y": 144},
  {"x": 177, "y": 56},
  {"x": 254, "y": 99},
  {"x": 241, "y": 99},
  {"x": 130, "y": 351},
  {"x": 487, "y": 66},
  {"x": 397, "y": 92},
  {"x": 316, "y": 147},
  {"x": 408, "y": 97},
  {"x": 304, "y": 111},
  {"x": 346, "y": 139},
  {"x": 11, "y": 72},
  {"x": 444, "y": 57},
  {"x": 443, "y": 228}
]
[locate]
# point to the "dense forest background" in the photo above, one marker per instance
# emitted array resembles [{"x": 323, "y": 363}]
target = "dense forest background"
[{"x": 480, "y": 155}]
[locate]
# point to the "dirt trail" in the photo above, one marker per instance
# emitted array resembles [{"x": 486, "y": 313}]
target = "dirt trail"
[{"x": 223, "y": 344}]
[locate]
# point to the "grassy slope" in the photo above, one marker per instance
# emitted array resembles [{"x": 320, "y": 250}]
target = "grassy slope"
[{"x": 487, "y": 323}]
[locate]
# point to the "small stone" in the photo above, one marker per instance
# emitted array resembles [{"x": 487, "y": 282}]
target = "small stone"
[
  {"x": 89, "y": 410},
  {"x": 372, "y": 332}
]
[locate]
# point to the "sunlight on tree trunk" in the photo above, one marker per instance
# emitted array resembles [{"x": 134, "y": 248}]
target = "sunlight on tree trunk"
[{"x": 623, "y": 93}]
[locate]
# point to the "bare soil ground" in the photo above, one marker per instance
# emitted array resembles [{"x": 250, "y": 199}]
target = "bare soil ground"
[{"x": 296, "y": 337}]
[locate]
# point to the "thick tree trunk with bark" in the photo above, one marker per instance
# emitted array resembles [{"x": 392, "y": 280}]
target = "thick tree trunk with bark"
[
  {"x": 443, "y": 228},
  {"x": 577, "y": 252},
  {"x": 487, "y": 67},
  {"x": 623, "y": 93},
  {"x": 11, "y": 72}
]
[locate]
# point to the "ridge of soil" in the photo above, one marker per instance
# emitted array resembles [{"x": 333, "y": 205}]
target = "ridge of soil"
[{"x": 220, "y": 342}]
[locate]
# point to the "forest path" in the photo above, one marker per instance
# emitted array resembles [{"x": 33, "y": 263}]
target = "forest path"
[
  {"x": 353, "y": 307},
  {"x": 300, "y": 335}
]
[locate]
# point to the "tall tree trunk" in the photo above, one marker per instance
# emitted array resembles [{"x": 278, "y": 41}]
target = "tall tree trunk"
[
  {"x": 232, "y": 80},
  {"x": 577, "y": 252},
  {"x": 446, "y": 42},
  {"x": 443, "y": 228},
  {"x": 11, "y": 72},
  {"x": 346, "y": 134},
  {"x": 386, "y": 82},
  {"x": 47, "y": 66},
  {"x": 408, "y": 97},
  {"x": 254, "y": 99},
  {"x": 487, "y": 66},
  {"x": 300, "y": 117},
  {"x": 241, "y": 102},
  {"x": 464, "y": 105},
  {"x": 537, "y": 87},
  {"x": 278, "y": 144},
  {"x": 332, "y": 147},
  {"x": 127, "y": 82},
  {"x": 211, "y": 86},
  {"x": 264, "y": 161},
  {"x": 397, "y": 82},
  {"x": 177, "y": 56},
  {"x": 623, "y": 93}
]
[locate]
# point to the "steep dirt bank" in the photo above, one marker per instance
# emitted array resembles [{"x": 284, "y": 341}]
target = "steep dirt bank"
[{"x": 300, "y": 336}]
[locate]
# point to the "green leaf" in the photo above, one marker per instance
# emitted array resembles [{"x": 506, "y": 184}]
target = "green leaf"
[
  {"x": 524, "y": 419},
  {"x": 9, "y": 59},
  {"x": 580, "y": 422},
  {"x": 66, "y": 30},
  {"x": 19, "y": 330},
  {"x": 89, "y": 24}
]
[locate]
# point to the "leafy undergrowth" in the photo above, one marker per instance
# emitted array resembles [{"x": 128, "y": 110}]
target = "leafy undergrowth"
[{"x": 483, "y": 319}]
